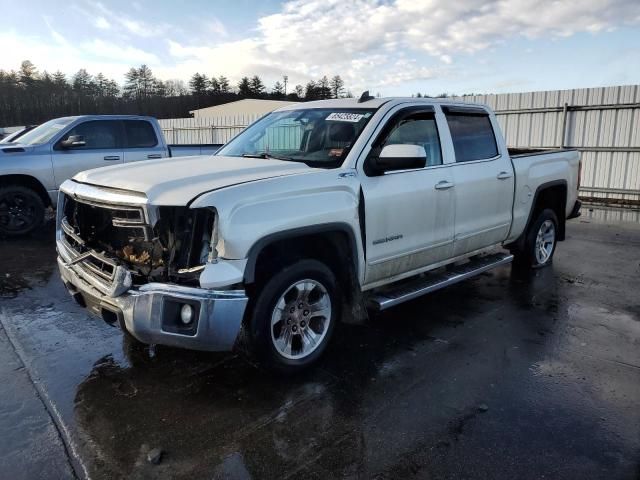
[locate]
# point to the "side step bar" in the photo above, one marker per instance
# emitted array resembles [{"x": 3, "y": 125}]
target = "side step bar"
[{"x": 390, "y": 297}]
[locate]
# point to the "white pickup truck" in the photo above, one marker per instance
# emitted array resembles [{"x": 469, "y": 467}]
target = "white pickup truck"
[
  {"x": 33, "y": 166},
  {"x": 316, "y": 213}
]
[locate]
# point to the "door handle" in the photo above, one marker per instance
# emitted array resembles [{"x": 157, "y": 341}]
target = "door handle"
[
  {"x": 112, "y": 157},
  {"x": 154, "y": 155},
  {"x": 503, "y": 175},
  {"x": 443, "y": 185}
]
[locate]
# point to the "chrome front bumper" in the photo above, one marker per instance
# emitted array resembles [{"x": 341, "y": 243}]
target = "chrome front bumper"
[{"x": 149, "y": 312}]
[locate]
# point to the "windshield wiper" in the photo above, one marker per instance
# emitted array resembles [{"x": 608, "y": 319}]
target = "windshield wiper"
[{"x": 266, "y": 155}]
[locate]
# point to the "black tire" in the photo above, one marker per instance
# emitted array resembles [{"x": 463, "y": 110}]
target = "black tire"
[
  {"x": 21, "y": 211},
  {"x": 263, "y": 305},
  {"x": 529, "y": 256}
]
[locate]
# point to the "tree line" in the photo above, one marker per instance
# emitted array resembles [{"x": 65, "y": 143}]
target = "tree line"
[{"x": 28, "y": 96}]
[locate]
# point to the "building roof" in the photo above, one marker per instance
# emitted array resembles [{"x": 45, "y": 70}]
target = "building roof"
[{"x": 248, "y": 105}]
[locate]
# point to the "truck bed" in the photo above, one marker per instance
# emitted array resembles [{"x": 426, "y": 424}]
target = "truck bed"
[
  {"x": 541, "y": 167},
  {"x": 517, "y": 152}
]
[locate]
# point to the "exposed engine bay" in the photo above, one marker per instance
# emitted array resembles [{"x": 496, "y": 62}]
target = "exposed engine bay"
[{"x": 174, "y": 249}]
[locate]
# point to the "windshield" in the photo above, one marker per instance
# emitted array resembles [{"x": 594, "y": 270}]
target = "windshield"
[
  {"x": 319, "y": 137},
  {"x": 45, "y": 132}
]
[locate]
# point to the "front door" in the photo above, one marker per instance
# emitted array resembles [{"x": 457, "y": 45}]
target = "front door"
[
  {"x": 102, "y": 147},
  {"x": 408, "y": 213}
]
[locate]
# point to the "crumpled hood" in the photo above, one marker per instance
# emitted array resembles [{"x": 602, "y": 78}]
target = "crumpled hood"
[{"x": 177, "y": 181}]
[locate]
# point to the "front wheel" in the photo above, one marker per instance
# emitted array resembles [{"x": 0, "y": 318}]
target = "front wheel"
[
  {"x": 540, "y": 243},
  {"x": 294, "y": 315},
  {"x": 21, "y": 211}
]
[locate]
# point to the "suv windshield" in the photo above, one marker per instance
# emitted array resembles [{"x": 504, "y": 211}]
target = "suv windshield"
[
  {"x": 320, "y": 137},
  {"x": 45, "y": 132}
]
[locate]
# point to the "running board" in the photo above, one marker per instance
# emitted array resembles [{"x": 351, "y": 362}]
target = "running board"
[{"x": 390, "y": 297}]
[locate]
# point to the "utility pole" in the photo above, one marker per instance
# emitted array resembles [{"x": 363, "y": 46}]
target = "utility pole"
[{"x": 286, "y": 79}]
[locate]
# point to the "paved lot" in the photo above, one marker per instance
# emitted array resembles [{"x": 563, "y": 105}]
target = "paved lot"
[{"x": 510, "y": 375}]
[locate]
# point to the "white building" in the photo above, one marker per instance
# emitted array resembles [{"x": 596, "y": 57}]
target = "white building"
[{"x": 249, "y": 107}]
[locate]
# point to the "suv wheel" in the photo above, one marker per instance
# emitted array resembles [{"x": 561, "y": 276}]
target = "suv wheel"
[
  {"x": 21, "y": 211},
  {"x": 294, "y": 315}
]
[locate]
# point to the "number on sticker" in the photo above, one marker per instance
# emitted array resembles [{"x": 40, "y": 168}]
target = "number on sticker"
[{"x": 345, "y": 117}]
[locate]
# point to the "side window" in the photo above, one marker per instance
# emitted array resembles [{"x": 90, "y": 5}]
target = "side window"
[
  {"x": 418, "y": 129},
  {"x": 98, "y": 134},
  {"x": 140, "y": 134},
  {"x": 472, "y": 135}
]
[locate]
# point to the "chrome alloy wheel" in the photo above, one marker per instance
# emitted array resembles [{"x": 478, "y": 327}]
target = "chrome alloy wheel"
[
  {"x": 545, "y": 242},
  {"x": 301, "y": 319}
]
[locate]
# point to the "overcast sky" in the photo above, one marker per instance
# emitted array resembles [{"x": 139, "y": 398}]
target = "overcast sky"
[{"x": 392, "y": 47}]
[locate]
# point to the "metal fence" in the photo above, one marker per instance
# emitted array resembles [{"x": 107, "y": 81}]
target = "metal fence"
[
  {"x": 610, "y": 214},
  {"x": 204, "y": 129},
  {"x": 603, "y": 123}
]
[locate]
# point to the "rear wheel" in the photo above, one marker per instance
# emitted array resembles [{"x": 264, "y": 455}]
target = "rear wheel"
[
  {"x": 294, "y": 315},
  {"x": 21, "y": 211},
  {"x": 540, "y": 242}
]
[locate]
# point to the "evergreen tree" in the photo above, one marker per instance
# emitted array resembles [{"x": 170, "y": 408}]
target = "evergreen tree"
[
  {"x": 323, "y": 89},
  {"x": 244, "y": 87},
  {"x": 28, "y": 74},
  {"x": 28, "y": 97},
  {"x": 146, "y": 81},
  {"x": 198, "y": 84},
  {"x": 337, "y": 87},
  {"x": 311, "y": 91},
  {"x": 257, "y": 87},
  {"x": 223, "y": 84},
  {"x": 131, "y": 83},
  {"x": 278, "y": 90},
  {"x": 214, "y": 85}
]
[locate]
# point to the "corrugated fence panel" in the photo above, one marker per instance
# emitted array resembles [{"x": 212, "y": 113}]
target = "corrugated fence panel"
[
  {"x": 612, "y": 214},
  {"x": 204, "y": 129},
  {"x": 603, "y": 123}
]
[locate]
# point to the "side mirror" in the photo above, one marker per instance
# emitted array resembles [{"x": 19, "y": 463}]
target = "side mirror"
[
  {"x": 398, "y": 157},
  {"x": 73, "y": 141}
]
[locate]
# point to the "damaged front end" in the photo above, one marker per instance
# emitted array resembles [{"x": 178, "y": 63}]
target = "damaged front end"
[
  {"x": 171, "y": 245},
  {"x": 139, "y": 266}
]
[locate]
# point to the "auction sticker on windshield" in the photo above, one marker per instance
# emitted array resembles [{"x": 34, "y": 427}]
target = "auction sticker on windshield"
[{"x": 345, "y": 117}]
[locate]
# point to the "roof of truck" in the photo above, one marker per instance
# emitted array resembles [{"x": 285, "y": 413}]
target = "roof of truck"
[
  {"x": 373, "y": 103},
  {"x": 112, "y": 117}
]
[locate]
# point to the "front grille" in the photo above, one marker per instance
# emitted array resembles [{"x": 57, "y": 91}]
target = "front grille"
[
  {"x": 90, "y": 229},
  {"x": 108, "y": 241}
]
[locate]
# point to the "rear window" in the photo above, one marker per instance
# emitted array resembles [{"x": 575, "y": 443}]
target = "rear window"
[
  {"x": 472, "y": 136},
  {"x": 140, "y": 134}
]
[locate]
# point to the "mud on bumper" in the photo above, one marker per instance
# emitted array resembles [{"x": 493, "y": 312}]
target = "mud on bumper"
[{"x": 151, "y": 313}]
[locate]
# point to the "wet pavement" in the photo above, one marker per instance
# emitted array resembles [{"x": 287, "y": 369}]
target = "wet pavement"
[{"x": 509, "y": 375}]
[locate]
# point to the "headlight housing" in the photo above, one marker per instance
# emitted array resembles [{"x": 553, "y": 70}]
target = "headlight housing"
[{"x": 213, "y": 243}]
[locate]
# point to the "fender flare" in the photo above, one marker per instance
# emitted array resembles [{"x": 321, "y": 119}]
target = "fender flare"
[
  {"x": 544, "y": 186},
  {"x": 29, "y": 181},
  {"x": 258, "y": 246}
]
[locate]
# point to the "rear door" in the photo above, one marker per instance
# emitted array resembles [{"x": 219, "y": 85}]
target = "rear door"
[
  {"x": 142, "y": 142},
  {"x": 408, "y": 213},
  {"x": 103, "y": 146},
  {"x": 484, "y": 180}
]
